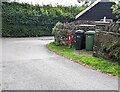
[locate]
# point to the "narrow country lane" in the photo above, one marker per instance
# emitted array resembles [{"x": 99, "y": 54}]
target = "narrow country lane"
[{"x": 29, "y": 65}]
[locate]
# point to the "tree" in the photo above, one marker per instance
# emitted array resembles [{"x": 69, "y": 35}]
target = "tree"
[{"x": 116, "y": 11}]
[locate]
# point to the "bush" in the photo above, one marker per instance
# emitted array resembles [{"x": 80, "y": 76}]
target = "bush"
[
  {"x": 25, "y": 20},
  {"x": 116, "y": 11}
]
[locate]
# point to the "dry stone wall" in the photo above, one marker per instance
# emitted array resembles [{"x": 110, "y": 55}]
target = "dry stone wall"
[
  {"x": 107, "y": 45},
  {"x": 61, "y": 29},
  {"x": 106, "y": 42}
]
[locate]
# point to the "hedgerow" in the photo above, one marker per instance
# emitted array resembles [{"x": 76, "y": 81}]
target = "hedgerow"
[{"x": 26, "y": 20}]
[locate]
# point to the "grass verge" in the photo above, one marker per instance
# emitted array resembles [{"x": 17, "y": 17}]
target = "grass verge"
[{"x": 94, "y": 62}]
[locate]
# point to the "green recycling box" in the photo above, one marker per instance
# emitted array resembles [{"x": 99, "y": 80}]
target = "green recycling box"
[{"x": 89, "y": 42}]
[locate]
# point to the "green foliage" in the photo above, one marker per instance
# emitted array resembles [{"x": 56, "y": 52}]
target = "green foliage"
[
  {"x": 114, "y": 50},
  {"x": 25, "y": 20},
  {"x": 55, "y": 28},
  {"x": 116, "y": 11},
  {"x": 96, "y": 63}
]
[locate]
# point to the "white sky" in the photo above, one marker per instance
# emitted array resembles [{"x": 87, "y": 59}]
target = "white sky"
[{"x": 61, "y": 2}]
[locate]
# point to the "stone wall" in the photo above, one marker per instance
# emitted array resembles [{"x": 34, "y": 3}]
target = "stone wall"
[
  {"x": 107, "y": 45},
  {"x": 61, "y": 29}
]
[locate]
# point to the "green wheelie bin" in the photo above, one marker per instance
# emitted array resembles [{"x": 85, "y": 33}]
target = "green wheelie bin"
[{"x": 89, "y": 40}]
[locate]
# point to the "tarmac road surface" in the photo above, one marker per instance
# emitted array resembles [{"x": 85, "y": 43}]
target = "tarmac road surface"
[{"x": 28, "y": 65}]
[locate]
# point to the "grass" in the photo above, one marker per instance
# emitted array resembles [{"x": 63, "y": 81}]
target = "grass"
[{"x": 100, "y": 64}]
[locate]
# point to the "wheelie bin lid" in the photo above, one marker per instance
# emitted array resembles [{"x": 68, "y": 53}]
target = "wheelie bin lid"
[
  {"x": 90, "y": 32},
  {"x": 79, "y": 31}
]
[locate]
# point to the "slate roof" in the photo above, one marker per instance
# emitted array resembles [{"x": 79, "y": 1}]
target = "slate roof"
[{"x": 96, "y": 11}]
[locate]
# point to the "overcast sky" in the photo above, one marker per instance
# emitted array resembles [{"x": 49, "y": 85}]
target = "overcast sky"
[{"x": 61, "y": 2}]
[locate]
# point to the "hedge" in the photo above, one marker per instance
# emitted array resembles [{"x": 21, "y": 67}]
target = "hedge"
[{"x": 26, "y": 20}]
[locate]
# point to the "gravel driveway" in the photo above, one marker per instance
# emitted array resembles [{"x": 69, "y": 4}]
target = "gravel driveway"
[{"x": 29, "y": 65}]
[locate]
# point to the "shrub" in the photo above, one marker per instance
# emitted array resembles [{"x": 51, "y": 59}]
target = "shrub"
[{"x": 25, "y": 20}]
